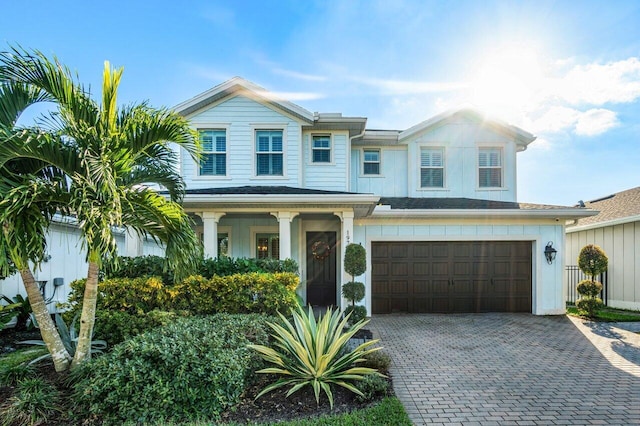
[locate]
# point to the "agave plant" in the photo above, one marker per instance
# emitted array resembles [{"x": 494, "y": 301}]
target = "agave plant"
[
  {"x": 69, "y": 337},
  {"x": 315, "y": 353}
]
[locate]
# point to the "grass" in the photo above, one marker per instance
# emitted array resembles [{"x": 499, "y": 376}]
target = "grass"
[
  {"x": 607, "y": 314},
  {"x": 20, "y": 356},
  {"x": 388, "y": 412}
]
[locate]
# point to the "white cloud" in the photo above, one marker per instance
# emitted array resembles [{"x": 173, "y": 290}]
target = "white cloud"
[
  {"x": 598, "y": 84},
  {"x": 554, "y": 119},
  {"x": 298, "y": 75},
  {"x": 293, "y": 96},
  {"x": 595, "y": 122}
]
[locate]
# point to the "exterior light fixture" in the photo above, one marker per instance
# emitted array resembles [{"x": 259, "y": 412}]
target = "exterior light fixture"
[{"x": 550, "y": 253}]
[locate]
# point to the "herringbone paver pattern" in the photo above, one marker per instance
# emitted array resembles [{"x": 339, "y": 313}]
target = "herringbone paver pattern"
[{"x": 511, "y": 369}]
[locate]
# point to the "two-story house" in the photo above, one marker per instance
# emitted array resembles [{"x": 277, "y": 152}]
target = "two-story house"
[{"x": 434, "y": 205}]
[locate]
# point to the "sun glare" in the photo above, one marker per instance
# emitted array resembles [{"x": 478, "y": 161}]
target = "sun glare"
[{"x": 507, "y": 82}]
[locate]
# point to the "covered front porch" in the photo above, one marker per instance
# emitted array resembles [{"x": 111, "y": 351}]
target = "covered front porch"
[{"x": 312, "y": 227}]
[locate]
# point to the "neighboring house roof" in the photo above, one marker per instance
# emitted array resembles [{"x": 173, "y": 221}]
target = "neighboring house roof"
[
  {"x": 614, "y": 209},
  {"x": 240, "y": 85},
  {"x": 452, "y": 207},
  {"x": 522, "y": 137}
]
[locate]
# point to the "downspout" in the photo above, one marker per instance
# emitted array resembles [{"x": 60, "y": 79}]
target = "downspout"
[{"x": 359, "y": 135}]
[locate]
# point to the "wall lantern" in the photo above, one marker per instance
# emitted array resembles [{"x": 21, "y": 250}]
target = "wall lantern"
[{"x": 550, "y": 252}]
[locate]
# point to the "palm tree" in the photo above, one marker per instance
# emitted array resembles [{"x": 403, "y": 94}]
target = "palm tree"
[
  {"x": 109, "y": 156},
  {"x": 28, "y": 197}
]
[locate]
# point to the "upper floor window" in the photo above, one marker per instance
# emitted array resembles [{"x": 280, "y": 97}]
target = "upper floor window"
[
  {"x": 371, "y": 162},
  {"x": 432, "y": 168},
  {"x": 321, "y": 149},
  {"x": 490, "y": 168},
  {"x": 267, "y": 246},
  {"x": 214, "y": 153},
  {"x": 269, "y": 153}
]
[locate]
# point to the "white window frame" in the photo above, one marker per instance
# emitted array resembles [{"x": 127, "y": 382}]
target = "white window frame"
[
  {"x": 255, "y": 128},
  {"x": 379, "y": 162},
  {"x": 219, "y": 127},
  {"x": 254, "y": 231},
  {"x": 312, "y": 148},
  {"x": 443, "y": 152},
  {"x": 500, "y": 151}
]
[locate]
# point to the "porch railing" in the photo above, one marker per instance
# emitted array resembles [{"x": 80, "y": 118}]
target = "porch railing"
[{"x": 575, "y": 275}]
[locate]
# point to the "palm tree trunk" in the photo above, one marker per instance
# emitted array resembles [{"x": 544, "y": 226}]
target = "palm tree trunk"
[
  {"x": 48, "y": 330},
  {"x": 88, "y": 316}
]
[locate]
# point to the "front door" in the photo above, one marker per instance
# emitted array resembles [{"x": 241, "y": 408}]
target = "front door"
[{"x": 321, "y": 268}]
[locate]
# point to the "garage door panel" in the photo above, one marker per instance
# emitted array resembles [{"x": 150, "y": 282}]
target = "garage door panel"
[
  {"x": 481, "y": 276},
  {"x": 399, "y": 269}
]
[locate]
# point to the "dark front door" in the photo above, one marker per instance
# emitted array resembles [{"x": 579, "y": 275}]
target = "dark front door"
[{"x": 321, "y": 268}]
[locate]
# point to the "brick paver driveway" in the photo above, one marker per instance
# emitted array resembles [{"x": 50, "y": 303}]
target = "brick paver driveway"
[{"x": 512, "y": 369}]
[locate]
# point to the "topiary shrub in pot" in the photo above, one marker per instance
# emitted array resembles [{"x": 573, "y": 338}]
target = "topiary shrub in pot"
[
  {"x": 592, "y": 261},
  {"x": 355, "y": 263}
]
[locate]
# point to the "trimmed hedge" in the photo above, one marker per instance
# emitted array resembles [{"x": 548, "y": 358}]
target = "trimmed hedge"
[
  {"x": 192, "y": 369},
  {"x": 155, "y": 266},
  {"x": 239, "y": 293}
]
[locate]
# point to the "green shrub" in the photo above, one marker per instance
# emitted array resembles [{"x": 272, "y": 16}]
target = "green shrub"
[
  {"x": 315, "y": 354},
  {"x": 117, "y": 326},
  {"x": 371, "y": 387},
  {"x": 378, "y": 361},
  {"x": 353, "y": 291},
  {"x": 589, "y": 305},
  {"x": 592, "y": 260},
  {"x": 355, "y": 260},
  {"x": 138, "y": 267},
  {"x": 589, "y": 288},
  {"x": 34, "y": 402},
  {"x": 240, "y": 293},
  {"x": 225, "y": 266},
  {"x": 21, "y": 309},
  {"x": 133, "y": 295},
  {"x": 355, "y": 313},
  {"x": 11, "y": 375},
  {"x": 191, "y": 369}
]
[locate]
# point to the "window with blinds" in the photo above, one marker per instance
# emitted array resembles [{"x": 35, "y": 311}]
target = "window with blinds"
[
  {"x": 490, "y": 168},
  {"x": 321, "y": 149},
  {"x": 269, "y": 153},
  {"x": 213, "y": 161},
  {"x": 371, "y": 162},
  {"x": 267, "y": 246},
  {"x": 432, "y": 168}
]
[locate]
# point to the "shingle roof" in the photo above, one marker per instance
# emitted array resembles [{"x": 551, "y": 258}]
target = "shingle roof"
[
  {"x": 615, "y": 206},
  {"x": 460, "y": 204},
  {"x": 264, "y": 190}
]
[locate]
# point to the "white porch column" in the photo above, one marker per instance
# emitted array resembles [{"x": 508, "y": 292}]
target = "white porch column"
[
  {"x": 284, "y": 220},
  {"x": 346, "y": 235},
  {"x": 134, "y": 243},
  {"x": 210, "y": 232}
]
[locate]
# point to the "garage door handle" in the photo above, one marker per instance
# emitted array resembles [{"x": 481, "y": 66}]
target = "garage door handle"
[
  {"x": 451, "y": 282},
  {"x": 492, "y": 281}
]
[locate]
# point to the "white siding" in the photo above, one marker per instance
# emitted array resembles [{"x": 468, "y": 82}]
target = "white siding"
[
  {"x": 332, "y": 176},
  {"x": 621, "y": 243},
  {"x": 241, "y": 116},
  {"x": 67, "y": 262},
  {"x": 461, "y": 139},
  {"x": 392, "y": 181},
  {"x": 548, "y": 287}
]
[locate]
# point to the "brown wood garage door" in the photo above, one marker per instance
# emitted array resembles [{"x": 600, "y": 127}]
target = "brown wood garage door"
[{"x": 451, "y": 276}]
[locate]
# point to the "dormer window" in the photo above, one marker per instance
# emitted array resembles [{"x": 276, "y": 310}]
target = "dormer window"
[
  {"x": 490, "y": 168},
  {"x": 269, "y": 153},
  {"x": 432, "y": 168},
  {"x": 321, "y": 149},
  {"x": 371, "y": 163}
]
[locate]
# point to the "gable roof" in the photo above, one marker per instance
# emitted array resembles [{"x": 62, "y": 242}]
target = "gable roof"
[
  {"x": 522, "y": 137},
  {"x": 240, "y": 85},
  {"x": 617, "y": 208}
]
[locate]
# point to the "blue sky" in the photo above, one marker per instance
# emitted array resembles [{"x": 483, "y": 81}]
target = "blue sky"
[{"x": 567, "y": 71}]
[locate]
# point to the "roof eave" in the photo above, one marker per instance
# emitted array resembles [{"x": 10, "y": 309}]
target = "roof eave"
[
  {"x": 612, "y": 222},
  {"x": 558, "y": 214}
]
